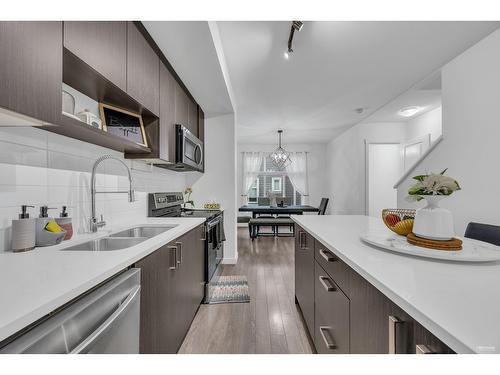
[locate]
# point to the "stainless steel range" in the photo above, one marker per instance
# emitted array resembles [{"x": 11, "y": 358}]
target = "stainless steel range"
[{"x": 170, "y": 205}]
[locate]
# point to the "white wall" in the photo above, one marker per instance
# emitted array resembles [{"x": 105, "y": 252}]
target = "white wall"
[
  {"x": 41, "y": 168},
  {"x": 471, "y": 132},
  {"x": 345, "y": 164},
  {"x": 218, "y": 183},
  {"x": 315, "y": 167},
  {"x": 427, "y": 123}
]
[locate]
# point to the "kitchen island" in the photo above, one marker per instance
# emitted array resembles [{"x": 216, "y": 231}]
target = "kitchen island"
[{"x": 458, "y": 303}]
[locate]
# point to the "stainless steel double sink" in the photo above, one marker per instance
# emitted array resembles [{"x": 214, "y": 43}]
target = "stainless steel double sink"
[{"x": 123, "y": 239}]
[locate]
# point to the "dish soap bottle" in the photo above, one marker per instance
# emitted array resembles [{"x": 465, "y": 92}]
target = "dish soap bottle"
[
  {"x": 65, "y": 222},
  {"x": 23, "y": 231},
  {"x": 44, "y": 237}
]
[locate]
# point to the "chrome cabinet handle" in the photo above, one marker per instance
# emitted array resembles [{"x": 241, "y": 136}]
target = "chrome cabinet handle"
[
  {"x": 173, "y": 250},
  {"x": 203, "y": 234},
  {"x": 394, "y": 324},
  {"x": 327, "y": 255},
  {"x": 329, "y": 288},
  {"x": 302, "y": 240},
  {"x": 328, "y": 344},
  {"x": 179, "y": 246},
  {"x": 423, "y": 349}
]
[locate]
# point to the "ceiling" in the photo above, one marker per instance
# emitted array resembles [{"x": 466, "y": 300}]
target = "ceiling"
[
  {"x": 336, "y": 67},
  {"x": 189, "y": 48},
  {"x": 426, "y": 95}
]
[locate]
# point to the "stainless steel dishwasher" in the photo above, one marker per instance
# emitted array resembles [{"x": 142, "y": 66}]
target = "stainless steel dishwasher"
[{"x": 107, "y": 320}]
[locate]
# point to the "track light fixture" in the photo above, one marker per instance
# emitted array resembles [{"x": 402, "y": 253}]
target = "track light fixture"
[{"x": 296, "y": 26}]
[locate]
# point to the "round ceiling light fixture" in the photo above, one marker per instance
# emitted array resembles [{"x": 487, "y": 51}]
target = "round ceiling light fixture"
[{"x": 409, "y": 111}]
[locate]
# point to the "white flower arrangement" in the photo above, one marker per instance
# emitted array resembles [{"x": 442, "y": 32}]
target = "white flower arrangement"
[{"x": 432, "y": 184}]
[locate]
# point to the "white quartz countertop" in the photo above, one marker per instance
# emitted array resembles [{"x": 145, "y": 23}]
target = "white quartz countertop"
[
  {"x": 35, "y": 283},
  {"x": 458, "y": 302}
]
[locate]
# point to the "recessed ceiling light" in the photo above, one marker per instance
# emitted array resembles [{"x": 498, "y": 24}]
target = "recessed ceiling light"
[{"x": 409, "y": 111}]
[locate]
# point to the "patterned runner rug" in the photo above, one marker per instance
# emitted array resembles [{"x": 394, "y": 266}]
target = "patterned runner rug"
[{"x": 228, "y": 289}]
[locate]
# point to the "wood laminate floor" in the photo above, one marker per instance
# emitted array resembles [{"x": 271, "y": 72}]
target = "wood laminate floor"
[{"x": 271, "y": 322}]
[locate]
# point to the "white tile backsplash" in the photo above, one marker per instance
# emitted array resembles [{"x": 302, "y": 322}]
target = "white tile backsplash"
[{"x": 42, "y": 168}]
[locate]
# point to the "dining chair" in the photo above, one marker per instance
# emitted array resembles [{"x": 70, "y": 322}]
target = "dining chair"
[
  {"x": 285, "y": 202},
  {"x": 264, "y": 201},
  {"x": 322, "y": 206},
  {"x": 483, "y": 232}
]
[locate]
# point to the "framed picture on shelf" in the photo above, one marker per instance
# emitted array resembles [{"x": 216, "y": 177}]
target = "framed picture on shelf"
[{"x": 123, "y": 124}]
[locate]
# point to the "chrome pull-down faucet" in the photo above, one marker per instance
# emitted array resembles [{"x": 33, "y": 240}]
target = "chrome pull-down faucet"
[{"x": 94, "y": 224}]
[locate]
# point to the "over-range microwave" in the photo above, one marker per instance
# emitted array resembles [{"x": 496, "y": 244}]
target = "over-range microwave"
[{"x": 188, "y": 150}]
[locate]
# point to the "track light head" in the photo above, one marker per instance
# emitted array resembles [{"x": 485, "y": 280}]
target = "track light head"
[{"x": 297, "y": 25}]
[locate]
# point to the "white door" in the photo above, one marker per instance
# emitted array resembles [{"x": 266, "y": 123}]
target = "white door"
[{"x": 384, "y": 167}]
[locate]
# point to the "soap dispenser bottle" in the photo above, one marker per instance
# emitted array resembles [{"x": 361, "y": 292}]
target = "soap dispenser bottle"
[
  {"x": 23, "y": 231},
  {"x": 65, "y": 222},
  {"x": 42, "y": 236}
]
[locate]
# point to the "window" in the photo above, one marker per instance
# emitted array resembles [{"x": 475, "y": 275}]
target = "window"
[
  {"x": 276, "y": 184},
  {"x": 273, "y": 180},
  {"x": 253, "y": 193}
]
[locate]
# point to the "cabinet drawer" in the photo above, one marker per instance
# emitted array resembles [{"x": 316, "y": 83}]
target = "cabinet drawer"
[
  {"x": 337, "y": 270},
  {"x": 331, "y": 334}
]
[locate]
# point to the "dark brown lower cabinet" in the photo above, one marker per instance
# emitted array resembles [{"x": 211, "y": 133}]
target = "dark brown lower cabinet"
[
  {"x": 304, "y": 276},
  {"x": 350, "y": 314},
  {"x": 171, "y": 292},
  {"x": 331, "y": 318},
  {"x": 427, "y": 343}
]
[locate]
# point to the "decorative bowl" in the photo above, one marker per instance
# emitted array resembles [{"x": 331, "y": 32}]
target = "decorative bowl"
[{"x": 399, "y": 220}]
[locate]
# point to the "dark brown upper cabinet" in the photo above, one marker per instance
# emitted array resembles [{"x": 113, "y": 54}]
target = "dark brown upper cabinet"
[
  {"x": 102, "y": 45},
  {"x": 167, "y": 115},
  {"x": 192, "y": 123},
  {"x": 31, "y": 69},
  {"x": 143, "y": 70},
  {"x": 181, "y": 106},
  {"x": 201, "y": 124}
]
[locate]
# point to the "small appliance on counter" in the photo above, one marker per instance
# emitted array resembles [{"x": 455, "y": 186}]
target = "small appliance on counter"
[
  {"x": 48, "y": 232},
  {"x": 23, "y": 231},
  {"x": 170, "y": 205},
  {"x": 89, "y": 118}
]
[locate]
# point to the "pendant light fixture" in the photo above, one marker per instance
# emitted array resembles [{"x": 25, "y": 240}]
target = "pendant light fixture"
[{"x": 280, "y": 156}]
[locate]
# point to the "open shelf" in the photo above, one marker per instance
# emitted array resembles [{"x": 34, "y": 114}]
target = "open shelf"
[
  {"x": 91, "y": 83},
  {"x": 77, "y": 129}
]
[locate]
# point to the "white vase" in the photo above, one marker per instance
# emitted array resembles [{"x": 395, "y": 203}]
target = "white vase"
[{"x": 434, "y": 222}]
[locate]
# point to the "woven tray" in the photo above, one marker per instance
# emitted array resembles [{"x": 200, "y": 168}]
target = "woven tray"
[{"x": 452, "y": 245}]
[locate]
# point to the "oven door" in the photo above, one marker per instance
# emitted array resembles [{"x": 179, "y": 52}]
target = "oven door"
[
  {"x": 189, "y": 149},
  {"x": 214, "y": 246}
]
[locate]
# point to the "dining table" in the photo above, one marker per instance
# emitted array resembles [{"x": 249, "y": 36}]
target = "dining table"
[{"x": 256, "y": 209}]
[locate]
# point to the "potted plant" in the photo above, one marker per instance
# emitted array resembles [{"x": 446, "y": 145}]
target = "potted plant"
[
  {"x": 433, "y": 222},
  {"x": 187, "y": 197}
]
